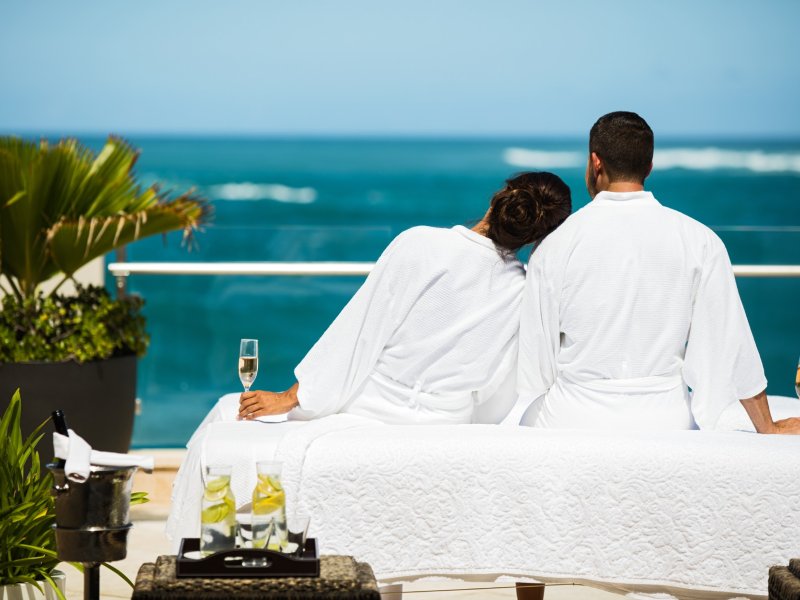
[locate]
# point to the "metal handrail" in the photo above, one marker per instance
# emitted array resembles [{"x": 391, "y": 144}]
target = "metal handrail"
[
  {"x": 124, "y": 269},
  {"x": 240, "y": 268}
]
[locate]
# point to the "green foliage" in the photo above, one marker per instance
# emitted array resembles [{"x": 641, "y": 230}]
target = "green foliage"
[
  {"x": 27, "y": 510},
  {"x": 87, "y": 326},
  {"x": 61, "y": 206}
]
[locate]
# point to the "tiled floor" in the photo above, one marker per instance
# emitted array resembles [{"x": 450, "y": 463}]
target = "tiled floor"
[{"x": 147, "y": 541}]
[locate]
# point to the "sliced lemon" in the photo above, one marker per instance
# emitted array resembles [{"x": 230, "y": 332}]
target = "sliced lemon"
[
  {"x": 267, "y": 486},
  {"x": 215, "y": 513},
  {"x": 216, "y": 489},
  {"x": 268, "y": 481},
  {"x": 216, "y": 484},
  {"x": 269, "y": 504}
]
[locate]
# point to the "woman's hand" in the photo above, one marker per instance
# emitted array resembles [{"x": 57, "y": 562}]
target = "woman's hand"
[{"x": 259, "y": 403}]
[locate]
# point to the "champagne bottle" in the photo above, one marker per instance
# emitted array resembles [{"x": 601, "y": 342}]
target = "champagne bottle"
[{"x": 60, "y": 424}]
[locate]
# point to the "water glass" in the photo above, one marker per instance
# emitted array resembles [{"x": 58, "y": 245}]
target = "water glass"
[
  {"x": 254, "y": 532},
  {"x": 297, "y": 531}
]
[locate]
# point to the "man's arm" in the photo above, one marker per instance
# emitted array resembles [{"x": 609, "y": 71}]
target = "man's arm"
[{"x": 757, "y": 409}]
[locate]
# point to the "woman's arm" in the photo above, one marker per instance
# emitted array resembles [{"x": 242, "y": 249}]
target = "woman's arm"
[{"x": 259, "y": 403}]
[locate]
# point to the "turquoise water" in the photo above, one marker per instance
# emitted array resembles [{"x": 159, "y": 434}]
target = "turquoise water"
[{"x": 304, "y": 199}]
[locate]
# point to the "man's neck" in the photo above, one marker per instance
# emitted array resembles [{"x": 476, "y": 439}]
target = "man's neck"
[{"x": 624, "y": 186}]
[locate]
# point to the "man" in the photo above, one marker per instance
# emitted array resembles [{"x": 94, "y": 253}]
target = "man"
[{"x": 629, "y": 305}]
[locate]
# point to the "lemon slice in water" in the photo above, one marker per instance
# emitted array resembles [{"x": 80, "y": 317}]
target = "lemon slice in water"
[
  {"x": 216, "y": 489},
  {"x": 269, "y": 504},
  {"x": 266, "y": 484},
  {"x": 215, "y": 513}
]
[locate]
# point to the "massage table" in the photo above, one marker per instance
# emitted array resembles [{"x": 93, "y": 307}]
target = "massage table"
[{"x": 687, "y": 513}]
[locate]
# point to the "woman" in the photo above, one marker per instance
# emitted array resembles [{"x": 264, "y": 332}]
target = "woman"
[{"x": 431, "y": 336}]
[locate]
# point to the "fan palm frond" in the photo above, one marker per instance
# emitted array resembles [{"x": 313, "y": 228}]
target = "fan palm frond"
[{"x": 61, "y": 206}]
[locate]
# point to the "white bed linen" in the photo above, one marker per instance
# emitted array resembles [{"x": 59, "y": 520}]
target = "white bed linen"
[{"x": 677, "y": 510}]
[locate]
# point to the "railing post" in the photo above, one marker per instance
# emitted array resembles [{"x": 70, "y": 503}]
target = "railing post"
[{"x": 121, "y": 255}]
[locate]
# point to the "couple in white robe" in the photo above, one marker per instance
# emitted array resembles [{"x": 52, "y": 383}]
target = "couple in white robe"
[
  {"x": 625, "y": 307},
  {"x": 431, "y": 336}
]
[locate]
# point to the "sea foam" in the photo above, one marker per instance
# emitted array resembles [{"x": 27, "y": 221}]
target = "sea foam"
[
  {"x": 707, "y": 159},
  {"x": 541, "y": 159},
  {"x": 697, "y": 159},
  {"x": 263, "y": 191}
]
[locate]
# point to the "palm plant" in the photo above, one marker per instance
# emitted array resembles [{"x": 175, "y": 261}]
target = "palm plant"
[{"x": 61, "y": 206}]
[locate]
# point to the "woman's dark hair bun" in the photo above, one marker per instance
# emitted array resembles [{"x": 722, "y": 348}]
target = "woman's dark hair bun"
[{"x": 530, "y": 206}]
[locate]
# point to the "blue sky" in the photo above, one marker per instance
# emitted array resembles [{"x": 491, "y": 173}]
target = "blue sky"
[{"x": 452, "y": 67}]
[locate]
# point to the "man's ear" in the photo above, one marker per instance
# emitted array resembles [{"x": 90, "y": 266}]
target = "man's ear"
[
  {"x": 650, "y": 170},
  {"x": 597, "y": 163}
]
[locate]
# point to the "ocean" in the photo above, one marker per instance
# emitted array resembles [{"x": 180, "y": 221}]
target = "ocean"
[{"x": 345, "y": 199}]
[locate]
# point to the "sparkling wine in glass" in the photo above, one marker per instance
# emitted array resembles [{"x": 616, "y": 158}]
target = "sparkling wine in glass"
[
  {"x": 797, "y": 379},
  {"x": 248, "y": 362}
]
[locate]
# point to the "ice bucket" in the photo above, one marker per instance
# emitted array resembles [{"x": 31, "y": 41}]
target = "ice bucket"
[{"x": 92, "y": 517}]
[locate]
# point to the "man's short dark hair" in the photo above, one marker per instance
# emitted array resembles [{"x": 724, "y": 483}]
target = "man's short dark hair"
[{"x": 624, "y": 142}]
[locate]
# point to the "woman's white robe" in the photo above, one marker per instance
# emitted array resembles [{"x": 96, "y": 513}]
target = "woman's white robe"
[
  {"x": 627, "y": 304},
  {"x": 431, "y": 336}
]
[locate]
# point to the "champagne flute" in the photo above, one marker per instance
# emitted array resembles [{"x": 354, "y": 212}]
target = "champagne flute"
[
  {"x": 248, "y": 362},
  {"x": 797, "y": 379}
]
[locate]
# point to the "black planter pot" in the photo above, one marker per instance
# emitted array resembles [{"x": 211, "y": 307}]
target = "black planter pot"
[{"x": 98, "y": 399}]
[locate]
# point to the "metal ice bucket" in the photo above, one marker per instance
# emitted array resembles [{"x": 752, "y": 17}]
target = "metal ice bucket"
[{"x": 93, "y": 517}]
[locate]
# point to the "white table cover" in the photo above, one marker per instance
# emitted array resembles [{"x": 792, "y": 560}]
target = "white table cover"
[{"x": 684, "y": 510}]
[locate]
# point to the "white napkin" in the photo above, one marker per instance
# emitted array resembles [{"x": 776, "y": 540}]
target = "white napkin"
[{"x": 79, "y": 457}]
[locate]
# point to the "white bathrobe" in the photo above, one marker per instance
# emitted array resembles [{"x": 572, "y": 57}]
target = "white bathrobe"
[
  {"x": 625, "y": 305},
  {"x": 431, "y": 336}
]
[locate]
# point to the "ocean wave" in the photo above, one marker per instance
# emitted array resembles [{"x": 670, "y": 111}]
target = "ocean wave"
[
  {"x": 709, "y": 159},
  {"x": 697, "y": 159},
  {"x": 541, "y": 159},
  {"x": 263, "y": 191}
]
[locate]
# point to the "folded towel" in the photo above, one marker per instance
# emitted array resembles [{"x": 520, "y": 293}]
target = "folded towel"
[{"x": 80, "y": 457}]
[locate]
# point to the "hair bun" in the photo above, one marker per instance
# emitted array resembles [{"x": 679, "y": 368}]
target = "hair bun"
[{"x": 530, "y": 206}]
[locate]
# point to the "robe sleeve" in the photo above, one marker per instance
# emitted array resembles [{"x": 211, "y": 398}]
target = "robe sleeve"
[
  {"x": 721, "y": 364},
  {"x": 339, "y": 363},
  {"x": 539, "y": 330}
]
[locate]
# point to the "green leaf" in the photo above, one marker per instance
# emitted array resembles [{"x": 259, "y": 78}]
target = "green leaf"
[
  {"x": 139, "y": 498},
  {"x": 118, "y": 572}
]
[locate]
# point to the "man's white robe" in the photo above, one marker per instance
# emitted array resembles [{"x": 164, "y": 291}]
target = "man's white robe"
[
  {"x": 431, "y": 336},
  {"x": 625, "y": 305}
]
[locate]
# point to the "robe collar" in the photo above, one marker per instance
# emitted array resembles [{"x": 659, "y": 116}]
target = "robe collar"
[
  {"x": 643, "y": 198},
  {"x": 475, "y": 237}
]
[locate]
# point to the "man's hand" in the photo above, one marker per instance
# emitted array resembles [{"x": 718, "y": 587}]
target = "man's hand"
[
  {"x": 757, "y": 408},
  {"x": 790, "y": 425},
  {"x": 259, "y": 403}
]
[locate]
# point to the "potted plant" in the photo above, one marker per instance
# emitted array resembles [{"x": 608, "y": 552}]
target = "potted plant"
[{"x": 62, "y": 206}]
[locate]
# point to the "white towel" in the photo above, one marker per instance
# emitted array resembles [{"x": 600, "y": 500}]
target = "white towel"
[{"x": 80, "y": 457}]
